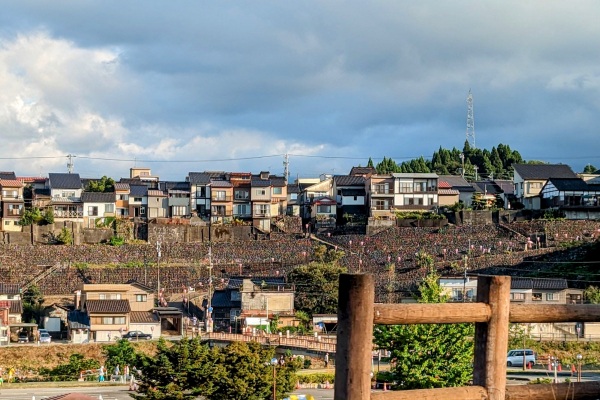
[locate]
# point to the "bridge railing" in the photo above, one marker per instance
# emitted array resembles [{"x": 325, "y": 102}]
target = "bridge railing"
[{"x": 321, "y": 344}]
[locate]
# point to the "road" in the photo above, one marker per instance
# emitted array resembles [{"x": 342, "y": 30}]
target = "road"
[{"x": 107, "y": 392}]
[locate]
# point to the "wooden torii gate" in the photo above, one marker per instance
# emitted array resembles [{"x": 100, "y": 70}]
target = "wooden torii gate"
[{"x": 491, "y": 314}]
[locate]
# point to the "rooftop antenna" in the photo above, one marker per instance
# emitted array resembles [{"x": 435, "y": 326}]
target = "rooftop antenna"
[
  {"x": 70, "y": 164},
  {"x": 286, "y": 167},
  {"x": 470, "y": 120}
]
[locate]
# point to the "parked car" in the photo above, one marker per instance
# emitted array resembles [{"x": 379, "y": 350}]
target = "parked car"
[
  {"x": 45, "y": 337},
  {"x": 137, "y": 335},
  {"x": 514, "y": 358},
  {"x": 23, "y": 337}
]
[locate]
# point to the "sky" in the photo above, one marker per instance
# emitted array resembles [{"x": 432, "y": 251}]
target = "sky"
[{"x": 189, "y": 86}]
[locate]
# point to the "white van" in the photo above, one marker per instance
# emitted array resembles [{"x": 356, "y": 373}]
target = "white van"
[{"x": 514, "y": 358}]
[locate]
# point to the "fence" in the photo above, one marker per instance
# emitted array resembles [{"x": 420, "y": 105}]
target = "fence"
[
  {"x": 491, "y": 314},
  {"x": 320, "y": 344}
]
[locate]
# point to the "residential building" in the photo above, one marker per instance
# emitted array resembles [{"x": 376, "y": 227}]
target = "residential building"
[
  {"x": 11, "y": 310},
  {"x": 260, "y": 196},
  {"x": 323, "y": 212},
  {"x": 312, "y": 189},
  {"x": 529, "y": 179},
  {"x": 65, "y": 193},
  {"x": 97, "y": 207},
  {"x": 11, "y": 203},
  {"x": 138, "y": 201},
  {"x": 293, "y": 203},
  {"x": 446, "y": 195},
  {"x": 158, "y": 204},
  {"x": 380, "y": 195},
  {"x": 200, "y": 193},
  {"x": 104, "y": 312},
  {"x": 242, "y": 206},
  {"x": 221, "y": 200},
  {"x": 458, "y": 183},
  {"x": 351, "y": 197},
  {"x": 144, "y": 176},
  {"x": 178, "y": 194},
  {"x": 415, "y": 191},
  {"x": 122, "y": 199},
  {"x": 574, "y": 197}
]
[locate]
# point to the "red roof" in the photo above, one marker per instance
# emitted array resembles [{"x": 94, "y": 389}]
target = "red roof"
[
  {"x": 444, "y": 185},
  {"x": 10, "y": 183}
]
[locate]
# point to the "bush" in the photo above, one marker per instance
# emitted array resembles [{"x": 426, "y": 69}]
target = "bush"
[
  {"x": 317, "y": 377},
  {"x": 117, "y": 241},
  {"x": 65, "y": 236}
]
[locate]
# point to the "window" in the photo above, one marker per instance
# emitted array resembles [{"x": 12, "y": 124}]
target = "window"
[
  {"x": 10, "y": 193},
  {"x": 109, "y": 208},
  {"x": 123, "y": 197},
  {"x": 14, "y": 209},
  {"x": 381, "y": 188},
  {"x": 113, "y": 320},
  {"x": 420, "y": 186},
  {"x": 405, "y": 187},
  {"x": 261, "y": 210},
  {"x": 68, "y": 194},
  {"x": 517, "y": 296},
  {"x": 277, "y": 190},
  {"x": 137, "y": 199},
  {"x": 380, "y": 204},
  {"x": 242, "y": 209},
  {"x": 109, "y": 296},
  {"x": 7, "y": 223},
  {"x": 324, "y": 209},
  {"x": 536, "y": 297},
  {"x": 552, "y": 296},
  {"x": 241, "y": 194},
  {"x": 92, "y": 210},
  {"x": 260, "y": 192},
  {"x": 140, "y": 298},
  {"x": 219, "y": 195},
  {"x": 142, "y": 210},
  {"x": 179, "y": 210}
]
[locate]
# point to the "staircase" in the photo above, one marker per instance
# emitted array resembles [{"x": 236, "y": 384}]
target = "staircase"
[{"x": 44, "y": 274}]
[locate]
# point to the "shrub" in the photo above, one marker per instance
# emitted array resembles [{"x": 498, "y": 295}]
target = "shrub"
[{"x": 117, "y": 241}]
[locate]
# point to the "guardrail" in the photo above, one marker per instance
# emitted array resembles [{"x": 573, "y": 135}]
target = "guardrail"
[
  {"x": 357, "y": 315},
  {"x": 320, "y": 343}
]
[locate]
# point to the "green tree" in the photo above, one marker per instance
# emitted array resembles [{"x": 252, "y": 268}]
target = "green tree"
[
  {"x": 32, "y": 304},
  {"x": 121, "y": 353},
  {"x": 49, "y": 216},
  {"x": 589, "y": 169},
  {"x": 71, "y": 370},
  {"x": 428, "y": 355},
  {"x": 316, "y": 287},
  {"x": 65, "y": 236},
  {"x": 105, "y": 184},
  {"x": 592, "y": 294},
  {"x": 30, "y": 216}
]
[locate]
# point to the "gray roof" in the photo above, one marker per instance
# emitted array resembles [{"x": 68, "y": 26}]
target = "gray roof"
[
  {"x": 9, "y": 288},
  {"x": 488, "y": 187},
  {"x": 349, "y": 180},
  {"x": 221, "y": 184},
  {"x": 576, "y": 184},
  {"x": 64, "y": 181},
  {"x": 277, "y": 181},
  {"x": 9, "y": 176},
  {"x": 138, "y": 190},
  {"x": 429, "y": 175},
  {"x": 107, "y": 306},
  {"x": 236, "y": 282},
  {"x": 78, "y": 320},
  {"x": 538, "y": 283},
  {"x": 260, "y": 182},
  {"x": 508, "y": 187},
  {"x": 362, "y": 171},
  {"x": 199, "y": 178},
  {"x": 354, "y": 192},
  {"x": 98, "y": 197},
  {"x": 293, "y": 188},
  {"x": 16, "y": 307},
  {"x": 457, "y": 182},
  {"x": 166, "y": 186},
  {"x": 222, "y": 299},
  {"x": 544, "y": 171}
]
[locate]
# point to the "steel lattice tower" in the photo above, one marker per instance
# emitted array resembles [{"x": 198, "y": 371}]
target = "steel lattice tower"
[{"x": 470, "y": 120}]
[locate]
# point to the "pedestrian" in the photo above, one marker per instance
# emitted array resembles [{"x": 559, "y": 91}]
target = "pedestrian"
[
  {"x": 101, "y": 374},
  {"x": 326, "y": 360},
  {"x": 117, "y": 372}
]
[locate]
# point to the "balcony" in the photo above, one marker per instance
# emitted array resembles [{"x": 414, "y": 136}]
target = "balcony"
[
  {"x": 68, "y": 214},
  {"x": 383, "y": 207},
  {"x": 415, "y": 207},
  {"x": 223, "y": 199},
  {"x": 261, "y": 214},
  {"x": 381, "y": 191}
]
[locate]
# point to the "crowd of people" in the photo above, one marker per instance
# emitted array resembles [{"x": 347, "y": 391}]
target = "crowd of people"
[{"x": 392, "y": 255}]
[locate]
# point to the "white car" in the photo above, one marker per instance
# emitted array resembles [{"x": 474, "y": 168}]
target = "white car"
[
  {"x": 45, "y": 337},
  {"x": 514, "y": 358}
]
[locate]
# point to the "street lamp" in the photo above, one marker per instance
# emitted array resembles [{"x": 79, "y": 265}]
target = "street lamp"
[
  {"x": 274, "y": 364},
  {"x": 579, "y": 357}
]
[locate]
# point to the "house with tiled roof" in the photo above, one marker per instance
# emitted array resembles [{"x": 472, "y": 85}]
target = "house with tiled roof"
[
  {"x": 11, "y": 309},
  {"x": 138, "y": 201},
  {"x": 446, "y": 195},
  {"x": 65, "y": 193},
  {"x": 351, "y": 197},
  {"x": 200, "y": 192},
  {"x": 158, "y": 204},
  {"x": 104, "y": 312},
  {"x": 365, "y": 172},
  {"x": 178, "y": 198},
  {"x": 97, "y": 206},
  {"x": 251, "y": 302},
  {"x": 11, "y": 203},
  {"x": 312, "y": 189},
  {"x": 242, "y": 206},
  {"x": 268, "y": 194},
  {"x": 293, "y": 204},
  {"x": 458, "y": 183},
  {"x": 576, "y": 198},
  {"x": 122, "y": 199},
  {"x": 529, "y": 179}
]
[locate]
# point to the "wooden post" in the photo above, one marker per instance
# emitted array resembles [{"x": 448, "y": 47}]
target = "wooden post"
[
  {"x": 491, "y": 338},
  {"x": 355, "y": 337}
]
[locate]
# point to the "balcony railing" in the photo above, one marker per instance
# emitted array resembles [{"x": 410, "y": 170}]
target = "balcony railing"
[
  {"x": 221, "y": 198},
  {"x": 13, "y": 213},
  {"x": 261, "y": 214},
  {"x": 382, "y": 207},
  {"x": 375, "y": 190},
  {"x": 68, "y": 214}
]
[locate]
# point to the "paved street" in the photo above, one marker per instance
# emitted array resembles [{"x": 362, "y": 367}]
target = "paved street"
[{"x": 107, "y": 392}]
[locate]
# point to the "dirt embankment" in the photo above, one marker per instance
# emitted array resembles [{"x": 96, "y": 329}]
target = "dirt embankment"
[{"x": 32, "y": 357}]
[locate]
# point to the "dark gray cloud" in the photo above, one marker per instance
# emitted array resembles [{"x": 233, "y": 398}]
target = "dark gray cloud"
[{"x": 156, "y": 81}]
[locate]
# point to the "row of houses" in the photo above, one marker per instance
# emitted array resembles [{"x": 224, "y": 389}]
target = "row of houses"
[
  {"x": 100, "y": 313},
  {"x": 258, "y": 199}
]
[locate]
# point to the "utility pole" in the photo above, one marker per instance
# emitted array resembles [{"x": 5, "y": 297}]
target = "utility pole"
[
  {"x": 470, "y": 120},
  {"x": 462, "y": 170},
  {"x": 158, "y": 269},
  {"x": 70, "y": 164},
  {"x": 209, "y": 308},
  {"x": 465, "y": 281},
  {"x": 286, "y": 167}
]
